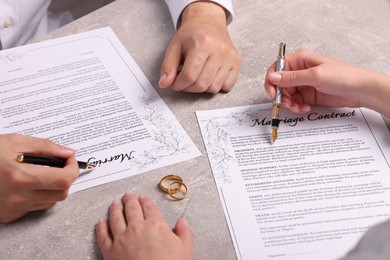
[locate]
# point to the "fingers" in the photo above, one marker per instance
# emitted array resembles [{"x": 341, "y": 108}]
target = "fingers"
[
  {"x": 103, "y": 235},
  {"x": 231, "y": 79},
  {"x": 191, "y": 70},
  {"x": 289, "y": 79},
  {"x": 208, "y": 75},
  {"x": 133, "y": 210},
  {"x": 117, "y": 220},
  {"x": 183, "y": 231},
  {"x": 171, "y": 63},
  {"x": 150, "y": 211},
  {"x": 301, "y": 68},
  {"x": 205, "y": 79},
  {"x": 268, "y": 86}
]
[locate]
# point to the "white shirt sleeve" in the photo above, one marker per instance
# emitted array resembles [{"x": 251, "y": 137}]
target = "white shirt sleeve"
[
  {"x": 22, "y": 21},
  {"x": 176, "y": 7}
]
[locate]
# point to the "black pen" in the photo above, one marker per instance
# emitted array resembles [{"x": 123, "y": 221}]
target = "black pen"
[{"x": 50, "y": 161}]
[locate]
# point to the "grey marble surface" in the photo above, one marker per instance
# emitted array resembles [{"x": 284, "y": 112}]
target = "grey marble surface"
[{"x": 354, "y": 31}]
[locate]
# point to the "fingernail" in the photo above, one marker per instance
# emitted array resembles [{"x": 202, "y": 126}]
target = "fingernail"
[
  {"x": 184, "y": 221},
  {"x": 115, "y": 202},
  {"x": 141, "y": 197},
  {"x": 102, "y": 220},
  {"x": 67, "y": 151},
  {"x": 306, "y": 109},
  {"x": 285, "y": 105},
  {"x": 129, "y": 193},
  {"x": 162, "y": 77},
  {"x": 275, "y": 77},
  {"x": 294, "y": 109}
]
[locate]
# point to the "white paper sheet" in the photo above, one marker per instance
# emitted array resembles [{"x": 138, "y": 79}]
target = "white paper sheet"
[
  {"x": 313, "y": 193},
  {"x": 86, "y": 92}
]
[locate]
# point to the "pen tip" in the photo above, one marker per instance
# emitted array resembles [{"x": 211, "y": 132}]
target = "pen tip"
[
  {"x": 91, "y": 166},
  {"x": 274, "y": 134}
]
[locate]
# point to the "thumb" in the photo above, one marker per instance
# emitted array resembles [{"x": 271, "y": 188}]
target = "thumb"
[
  {"x": 170, "y": 65},
  {"x": 184, "y": 232},
  {"x": 295, "y": 78}
]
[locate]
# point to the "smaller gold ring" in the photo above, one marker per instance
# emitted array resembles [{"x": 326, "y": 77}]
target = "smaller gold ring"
[
  {"x": 173, "y": 178},
  {"x": 173, "y": 194}
]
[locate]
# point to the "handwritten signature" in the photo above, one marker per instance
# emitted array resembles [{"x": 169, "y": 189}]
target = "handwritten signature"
[{"x": 119, "y": 157}]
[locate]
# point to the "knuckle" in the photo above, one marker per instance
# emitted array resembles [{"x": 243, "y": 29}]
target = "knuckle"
[
  {"x": 291, "y": 77},
  {"x": 64, "y": 183},
  {"x": 317, "y": 73},
  {"x": 135, "y": 228},
  {"x": 156, "y": 224},
  {"x": 62, "y": 195},
  {"x": 131, "y": 206},
  {"x": 227, "y": 87},
  {"x": 189, "y": 77},
  {"x": 225, "y": 49},
  {"x": 203, "y": 40},
  {"x": 213, "y": 90},
  {"x": 202, "y": 86}
]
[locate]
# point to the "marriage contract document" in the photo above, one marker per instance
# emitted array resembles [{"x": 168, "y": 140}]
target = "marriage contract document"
[
  {"x": 86, "y": 92},
  {"x": 310, "y": 195}
]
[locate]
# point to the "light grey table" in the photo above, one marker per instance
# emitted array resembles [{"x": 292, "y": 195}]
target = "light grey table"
[{"x": 354, "y": 31}]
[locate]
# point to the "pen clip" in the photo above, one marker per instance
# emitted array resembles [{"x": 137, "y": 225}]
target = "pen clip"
[{"x": 282, "y": 50}]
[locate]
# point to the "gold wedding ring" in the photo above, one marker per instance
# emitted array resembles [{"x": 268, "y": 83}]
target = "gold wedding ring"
[
  {"x": 182, "y": 194},
  {"x": 174, "y": 186},
  {"x": 170, "y": 178}
]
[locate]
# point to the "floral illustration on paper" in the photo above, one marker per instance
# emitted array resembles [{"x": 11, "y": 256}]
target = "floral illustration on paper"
[
  {"x": 215, "y": 136},
  {"x": 167, "y": 140}
]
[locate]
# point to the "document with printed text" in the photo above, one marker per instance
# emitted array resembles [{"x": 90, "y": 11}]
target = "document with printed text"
[
  {"x": 86, "y": 92},
  {"x": 310, "y": 195}
]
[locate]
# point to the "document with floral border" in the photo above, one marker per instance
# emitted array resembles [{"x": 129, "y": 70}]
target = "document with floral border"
[
  {"x": 86, "y": 92},
  {"x": 310, "y": 195}
]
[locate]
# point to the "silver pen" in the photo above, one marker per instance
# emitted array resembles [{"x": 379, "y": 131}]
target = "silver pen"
[{"x": 276, "y": 106}]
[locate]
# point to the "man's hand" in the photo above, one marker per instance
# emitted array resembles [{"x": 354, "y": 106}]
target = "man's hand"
[
  {"x": 136, "y": 230},
  {"x": 202, "y": 48}
]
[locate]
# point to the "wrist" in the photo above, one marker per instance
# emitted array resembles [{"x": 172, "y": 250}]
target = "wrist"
[
  {"x": 376, "y": 94},
  {"x": 203, "y": 11}
]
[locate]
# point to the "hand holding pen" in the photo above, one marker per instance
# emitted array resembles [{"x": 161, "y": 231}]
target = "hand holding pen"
[
  {"x": 26, "y": 187},
  {"x": 313, "y": 79}
]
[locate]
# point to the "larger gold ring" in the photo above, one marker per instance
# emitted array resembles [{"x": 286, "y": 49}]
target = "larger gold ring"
[
  {"x": 174, "y": 195},
  {"x": 173, "y": 178}
]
